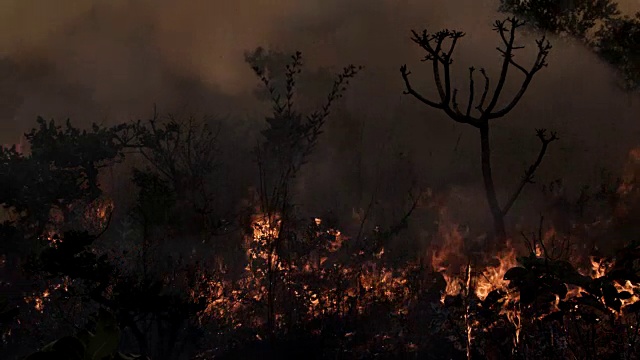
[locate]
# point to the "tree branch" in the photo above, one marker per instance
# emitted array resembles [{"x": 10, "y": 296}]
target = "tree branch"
[
  {"x": 528, "y": 175},
  {"x": 438, "y": 57},
  {"x": 501, "y": 29},
  {"x": 485, "y": 91},
  {"x": 471, "y": 91},
  {"x": 436, "y": 69},
  {"x": 447, "y": 60},
  {"x": 543, "y": 51},
  {"x": 410, "y": 90}
]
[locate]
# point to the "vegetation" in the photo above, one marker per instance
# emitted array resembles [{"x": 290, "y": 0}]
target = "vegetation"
[
  {"x": 481, "y": 113},
  {"x": 183, "y": 267},
  {"x": 598, "y": 23}
]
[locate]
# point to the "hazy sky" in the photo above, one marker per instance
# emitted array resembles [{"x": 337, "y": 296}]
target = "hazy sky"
[
  {"x": 111, "y": 60},
  {"x": 119, "y": 55}
]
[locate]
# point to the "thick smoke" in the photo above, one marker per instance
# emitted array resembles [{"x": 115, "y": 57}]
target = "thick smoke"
[{"x": 110, "y": 61}]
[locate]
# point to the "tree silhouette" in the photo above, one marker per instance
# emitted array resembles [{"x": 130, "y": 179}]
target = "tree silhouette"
[
  {"x": 60, "y": 171},
  {"x": 619, "y": 43},
  {"x": 481, "y": 113},
  {"x": 576, "y": 17},
  {"x": 598, "y": 23},
  {"x": 289, "y": 140},
  {"x": 181, "y": 154}
]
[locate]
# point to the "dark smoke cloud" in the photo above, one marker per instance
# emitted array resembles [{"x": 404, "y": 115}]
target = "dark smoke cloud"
[{"x": 112, "y": 60}]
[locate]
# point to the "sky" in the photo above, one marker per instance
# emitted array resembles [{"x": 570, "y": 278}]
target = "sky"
[{"x": 111, "y": 60}]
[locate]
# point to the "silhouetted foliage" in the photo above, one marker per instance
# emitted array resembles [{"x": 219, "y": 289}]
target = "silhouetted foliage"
[
  {"x": 599, "y": 23},
  {"x": 618, "y": 42},
  {"x": 290, "y": 138},
  {"x": 60, "y": 172},
  {"x": 574, "y": 17}
]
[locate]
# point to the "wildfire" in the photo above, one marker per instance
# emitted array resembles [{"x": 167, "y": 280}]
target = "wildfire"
[
  {"x": 95, "y": 218},
  {"x": 342, "y": 289},
  {"x": 39, "y": 299},
  {"x": 632, "y": 289},
  {"x": 599, "y": 267},
  {"x": 492, "y": 277},
  {"x": 325, "y": 283},
  {"x": 265, "y": 226},
  {"x": 447, "y": 259}
]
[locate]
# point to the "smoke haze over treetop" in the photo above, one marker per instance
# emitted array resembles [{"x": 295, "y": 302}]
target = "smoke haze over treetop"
[{"x": 112, "y": 60}]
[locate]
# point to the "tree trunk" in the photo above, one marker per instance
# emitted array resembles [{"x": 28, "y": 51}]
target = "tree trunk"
[{"x": 492, "y": 199}]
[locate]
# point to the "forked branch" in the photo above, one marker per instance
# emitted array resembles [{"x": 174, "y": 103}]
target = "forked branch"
[
  {"x": 544, "y": 47},
  {"x": 433, "y": 45},
  {"x": 528, "y": 175}
]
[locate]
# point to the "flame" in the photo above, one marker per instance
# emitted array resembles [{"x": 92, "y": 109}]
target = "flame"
[
  {"x": 633, "y": 289},
  {"x": 447, "y": 259},
  {"x": 265, "y": 226},
  {"x": 39, "y": 299},
  {"x": 467, "y": 321},
  {"x": 599, "y": 267},
  {"x": 370, "y": 281},
  {"x": 492, "y": 277}
]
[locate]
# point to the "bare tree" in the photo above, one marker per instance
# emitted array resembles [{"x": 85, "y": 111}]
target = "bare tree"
[{"x": 479, "y": 114}]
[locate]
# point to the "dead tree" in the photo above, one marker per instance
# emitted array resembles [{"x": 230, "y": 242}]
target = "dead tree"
[{"x": 479, "y": 114}]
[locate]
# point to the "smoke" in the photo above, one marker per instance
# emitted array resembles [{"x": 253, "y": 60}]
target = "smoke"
[{"x": 111, "y": 60}]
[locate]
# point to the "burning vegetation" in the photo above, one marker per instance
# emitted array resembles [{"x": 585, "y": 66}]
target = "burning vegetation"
[
  {"x": 282, "y": 283},
  {"x": 486, "y": 305}
]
